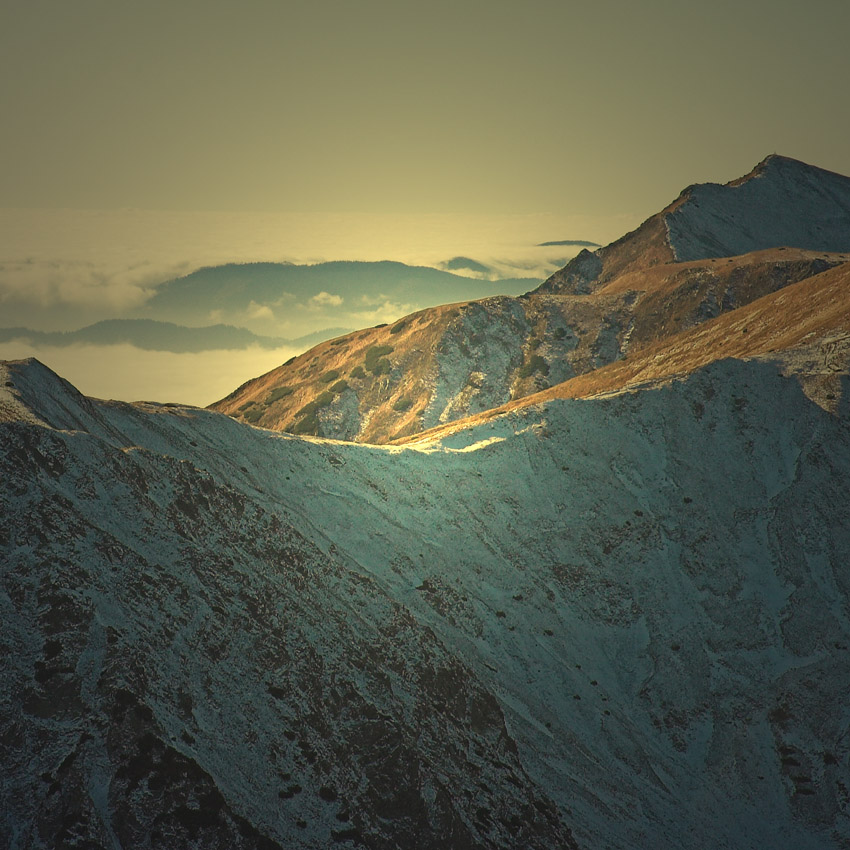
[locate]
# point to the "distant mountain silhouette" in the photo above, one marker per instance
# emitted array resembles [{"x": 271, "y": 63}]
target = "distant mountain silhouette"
[
  {"x": 233, "y": 287},
  {"x": 580, "y": 243},
  {"x": 457, "y": 263},
  {"x": 152, "y": 335}
]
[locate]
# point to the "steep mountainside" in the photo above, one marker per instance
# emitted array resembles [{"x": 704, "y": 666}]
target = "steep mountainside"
[
  {"x": 781, "y": 203},
  {"x": 802, "y": 330},
  {"x": 444, "y": 364},
  {"x": 609, "y": 623},
  {"x": 440, "y": 365},
  {"x": 431, "y": 367}
]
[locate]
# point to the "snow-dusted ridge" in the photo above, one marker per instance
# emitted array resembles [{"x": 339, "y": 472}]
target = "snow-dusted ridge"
[
  {"x": 782, "y": 202},
  {"x": 615, "y": 623}
]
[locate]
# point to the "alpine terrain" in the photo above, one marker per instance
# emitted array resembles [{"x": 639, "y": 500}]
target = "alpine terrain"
[
  {"x": 714, "y": 249},
  {"x": 576, "y": 578}
]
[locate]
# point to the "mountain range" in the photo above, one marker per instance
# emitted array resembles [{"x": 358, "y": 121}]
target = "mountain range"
[
  {"x": 152, "y": 335},
  {"x": 661, "y": 280},
  {"x": 263, "y": 295},
  {"x": 609, "y": 613}
]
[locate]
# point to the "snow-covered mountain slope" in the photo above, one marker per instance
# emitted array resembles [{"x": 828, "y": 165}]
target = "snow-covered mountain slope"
[
  {"x": 183, "y": 667},
  {"x": 608, "y": 623}
]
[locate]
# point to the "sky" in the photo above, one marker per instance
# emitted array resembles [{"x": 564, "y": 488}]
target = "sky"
[
  {"x": 142, "y": 140},
  {"x": 408, "y": 107}
]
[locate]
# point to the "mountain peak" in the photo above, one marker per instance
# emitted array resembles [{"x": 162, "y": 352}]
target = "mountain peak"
[
  {"x": 782, "y": 202},
  {"x": 774, "y": 159},
  {"x": 776, "y": 166},
  {"x": 35, "y": 393}
]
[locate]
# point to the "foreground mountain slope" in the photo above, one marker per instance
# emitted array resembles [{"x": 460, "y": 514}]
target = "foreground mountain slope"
[
  {"x": 785, "y": 222},
  {"x": 607, "y": 623},
  {"x": 185, "y": 668}
]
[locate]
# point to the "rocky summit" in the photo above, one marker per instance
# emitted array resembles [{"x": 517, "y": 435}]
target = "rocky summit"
[{"x": 610, "y": 613}]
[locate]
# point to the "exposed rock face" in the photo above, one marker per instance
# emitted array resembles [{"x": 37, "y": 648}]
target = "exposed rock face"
[
  {"x": 714, "y": 249},
  {"x": 608, "y": 623}
]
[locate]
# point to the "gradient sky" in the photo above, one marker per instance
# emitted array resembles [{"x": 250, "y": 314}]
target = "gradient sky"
[
  {"x": 599, "y": 108},
  {"x": 141, "y": 140}
]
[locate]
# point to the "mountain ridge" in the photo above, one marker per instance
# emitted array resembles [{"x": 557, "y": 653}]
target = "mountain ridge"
[
  {"x": 447, "y": 363},
  {"x": 815, "y": 351}
]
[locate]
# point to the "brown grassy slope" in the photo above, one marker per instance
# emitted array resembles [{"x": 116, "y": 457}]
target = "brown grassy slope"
[
  {"x": 802, "y": 313},
  {"x": 303, "y": 380},
  {"x": 640, "y": 249},
  {"x": 448, "y": 361},
  {"x": 548, "y": 337},
  {"x": 677, "y": 296}
]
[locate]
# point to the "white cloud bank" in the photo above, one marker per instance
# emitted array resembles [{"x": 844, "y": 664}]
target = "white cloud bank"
[{"x": 325, "y": 299}]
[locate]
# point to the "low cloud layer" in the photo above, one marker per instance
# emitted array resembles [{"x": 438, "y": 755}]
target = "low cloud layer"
[
  {"x": 48, "y": 283},
  {"x": 110, "y": 261},
  {"x": 325, "y": 299},
  {"x": 61, "y": 270},
  {"x": 378, "y": 311}
]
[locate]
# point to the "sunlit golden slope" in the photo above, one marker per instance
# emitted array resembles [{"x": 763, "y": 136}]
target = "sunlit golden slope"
[
  {"x": 448, "y": 362},
  {"x": 805, "y": 327},
  {"x": 712, "y": 251}
]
